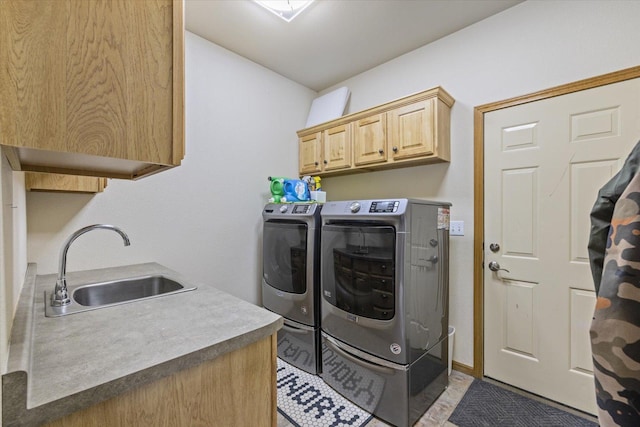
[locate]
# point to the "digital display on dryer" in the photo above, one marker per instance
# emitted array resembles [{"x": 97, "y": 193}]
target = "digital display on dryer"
[
  {"x": 300, "y": 209},
  {"x": 384, "y": 207}
]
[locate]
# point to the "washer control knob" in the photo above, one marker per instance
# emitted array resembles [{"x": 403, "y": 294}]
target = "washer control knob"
[
  {"x": 355, "y": 207},
  {"x": 283, "y": 208}
]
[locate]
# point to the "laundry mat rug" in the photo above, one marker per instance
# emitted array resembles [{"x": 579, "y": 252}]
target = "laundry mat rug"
[
  {"x": 306, "y": 401},
  {"x": 488, "y": 405}
]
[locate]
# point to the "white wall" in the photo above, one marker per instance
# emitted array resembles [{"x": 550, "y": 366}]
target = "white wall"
[
  {"x": 203, "y": 218},
  {"x": 532, "y": 46},
  {"x": 13, "y": 237},
  {"x": 13, "y": 253}
]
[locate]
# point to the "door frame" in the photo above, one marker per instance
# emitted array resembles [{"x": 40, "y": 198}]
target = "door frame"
[{"x": 478, "y": 194}]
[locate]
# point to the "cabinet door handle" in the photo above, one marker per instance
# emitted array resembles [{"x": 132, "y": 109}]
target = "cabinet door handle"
[
  {"x": 315, "y": 163},
  {"x": 325, "y": 162},
  {"x": 381, "y": 151},
  {"x": 395, "y": 149}
]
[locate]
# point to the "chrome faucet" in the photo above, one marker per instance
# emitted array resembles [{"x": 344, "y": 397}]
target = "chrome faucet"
[{"x": 60, "y": 296}]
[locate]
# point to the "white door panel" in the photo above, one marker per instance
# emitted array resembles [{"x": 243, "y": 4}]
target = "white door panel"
[{"x": 544, "y": 164}]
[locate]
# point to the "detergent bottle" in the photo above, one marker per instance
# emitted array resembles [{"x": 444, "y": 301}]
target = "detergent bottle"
[
  {"x": 296, "y": 190},
  {"x": 277, "y": 189}
]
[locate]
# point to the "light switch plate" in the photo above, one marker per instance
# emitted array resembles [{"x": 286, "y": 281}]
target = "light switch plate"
[{"x": 456, "y": 228}]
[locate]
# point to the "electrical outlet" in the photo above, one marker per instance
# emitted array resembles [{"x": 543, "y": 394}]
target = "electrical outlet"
[{"x": 456, "y": 228}]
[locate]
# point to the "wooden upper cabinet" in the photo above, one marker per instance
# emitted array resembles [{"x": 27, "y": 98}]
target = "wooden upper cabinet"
[
  {"x": 92, "y": 87},
  {"x": 328, "y": 150},
  {"x": 336, "y": 153},
  {"x": 53, "y": 182},
  {"x": 370, "y": 140},
  {"x": 310, "y": 153},
  {"x": 411, "y": 130},
  {"x": 408, "y": 131}
]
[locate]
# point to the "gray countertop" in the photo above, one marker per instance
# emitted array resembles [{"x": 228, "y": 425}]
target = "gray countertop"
[{"x": 58, "y": 365}]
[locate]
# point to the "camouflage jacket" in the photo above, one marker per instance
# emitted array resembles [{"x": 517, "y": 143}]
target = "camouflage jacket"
[
  {"x": 603, "y": 211},
  {"x": 615, "y": 329}
]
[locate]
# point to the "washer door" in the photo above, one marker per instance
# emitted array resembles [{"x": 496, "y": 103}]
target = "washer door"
[
  {"x": 285, "y": 256},
  {"x": 358, "y": 269},
  {"x": 361, "y": 292}
]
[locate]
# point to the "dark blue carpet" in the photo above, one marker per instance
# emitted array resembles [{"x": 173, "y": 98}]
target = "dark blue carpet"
[{"x": 488, "y": 405}]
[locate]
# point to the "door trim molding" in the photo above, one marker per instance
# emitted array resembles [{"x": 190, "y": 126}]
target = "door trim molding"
[{"x": 478, "y": 189}]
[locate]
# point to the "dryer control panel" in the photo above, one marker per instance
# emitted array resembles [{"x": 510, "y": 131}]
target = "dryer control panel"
[
  {"x": 387, "y": 206},
  {"x": 300, "y": 209}
]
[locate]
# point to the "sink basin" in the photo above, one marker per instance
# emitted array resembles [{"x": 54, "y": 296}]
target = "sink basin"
[
  {"x": 104, "y": 294},
  {"x": 124, "y": 290}
]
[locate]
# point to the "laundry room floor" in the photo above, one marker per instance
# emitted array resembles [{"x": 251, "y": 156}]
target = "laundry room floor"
[
  {"x": 440, "y": 412},
  {"x": 437, "y": 414}
]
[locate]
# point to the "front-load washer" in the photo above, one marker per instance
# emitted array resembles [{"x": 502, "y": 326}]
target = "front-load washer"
[
  {"x": 385, "y": 294},
  {"x": 291, "y": 279}
]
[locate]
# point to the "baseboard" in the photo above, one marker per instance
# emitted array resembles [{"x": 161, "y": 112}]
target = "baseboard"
[{"x": 462, "y": 368}]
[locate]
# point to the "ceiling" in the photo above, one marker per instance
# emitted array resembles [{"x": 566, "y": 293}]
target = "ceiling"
[{"x": 332, "y": 40}]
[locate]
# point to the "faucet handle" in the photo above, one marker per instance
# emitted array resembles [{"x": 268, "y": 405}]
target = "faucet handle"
[{"x": 60, "y": 296}]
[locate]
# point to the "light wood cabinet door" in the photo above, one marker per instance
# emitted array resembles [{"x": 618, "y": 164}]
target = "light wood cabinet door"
[
  {"x": 35, "y": 181},
  {"x": 370, "y": 140},
  {"x": 92, "y": 87},
  {"x": 412, "y": 130},
  {"x": 236, "y": 389},
  {"x": 336, "y": 151},
  {"x": 310, "y": 153}
]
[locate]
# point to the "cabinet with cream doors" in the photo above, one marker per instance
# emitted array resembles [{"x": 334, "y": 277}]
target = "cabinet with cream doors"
[
  {"x": 408, "y": 131},
  {"x": 326, "y": 151},
  {"x": 92, "y": 87}
]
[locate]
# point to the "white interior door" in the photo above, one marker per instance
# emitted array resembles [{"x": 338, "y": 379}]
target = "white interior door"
[{"x": 544, "y": 164}]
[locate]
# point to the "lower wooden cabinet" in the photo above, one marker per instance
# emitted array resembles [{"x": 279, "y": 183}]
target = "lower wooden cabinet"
[
  {"x": 236, "y": 389},
  {"x": 35, "y": 181}
]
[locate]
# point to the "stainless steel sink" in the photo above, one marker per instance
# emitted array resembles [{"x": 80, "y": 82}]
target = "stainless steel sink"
[{"x": 104, "y": 294}]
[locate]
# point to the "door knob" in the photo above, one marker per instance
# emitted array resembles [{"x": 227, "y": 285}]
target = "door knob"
[{"x": 494, "y": 266}]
